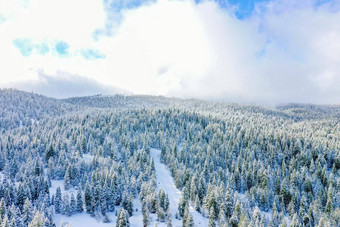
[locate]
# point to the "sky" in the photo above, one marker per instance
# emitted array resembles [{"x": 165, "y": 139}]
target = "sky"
[{"x": 249, "y": 51}]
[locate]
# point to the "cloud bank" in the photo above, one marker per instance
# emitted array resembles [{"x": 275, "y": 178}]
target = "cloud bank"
[
  {"x": 64, "y": 85},
  {"x": 284, "y": 51}
]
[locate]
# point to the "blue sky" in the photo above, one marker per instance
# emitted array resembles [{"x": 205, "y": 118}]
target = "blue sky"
[
  {"x": 241, "y": 8},
  {"x": 252, "y": 51}
]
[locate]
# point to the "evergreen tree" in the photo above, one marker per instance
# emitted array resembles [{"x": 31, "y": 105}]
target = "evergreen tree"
[
  {"x": 145, "y": 212},
  {"x": 211, "y": 222},
  {"x": 13, "y": 223},
  {"x": 88, "y": 198},
  {"x": 2, "y": 208},
  {"x": 80, "y": 205},
  {"x": 38, "y": 220},
  {"x": 20, "y": 199},
  {"x": 106, "y": 219},
  {"x": 295, "y": 222},
  {"x": 197, "y": 204},
  {"x": 283, "y": 223},
  {"x": 58, "y": 201},
  {"x": 73, "y": 205},
  {"x": 67, "y": 179},
  {"x": 228, "y": 205},
  {"x": 185, "y": 216},
  {"x": 27, "y": 214},
  {"x": 190, "y": 221},
  {"x": 169, "y": 224},
  {"x": 160, "y": 214},
  {"x": 123, "y": 218},
  {"x": 5, "y": 222},
  {"x": 49, "y": 153},
  {"x": 222, "y": 215},
  {"x": 183, "y": 202},
  {"x": 285, "y": 193},
  {"x": 256, "y": 217},
  {"x": 235, "y": 218},
  {"x": 127, "y": 204},
  {"x": 66, "y": 208},
  {"x": 329, "y": 204}
]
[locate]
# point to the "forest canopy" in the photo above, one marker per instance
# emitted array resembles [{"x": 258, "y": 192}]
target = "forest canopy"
[{"x": 237, "y": 165}]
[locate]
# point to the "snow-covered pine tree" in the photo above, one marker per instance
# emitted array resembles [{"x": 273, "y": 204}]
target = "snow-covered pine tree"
[
  {"x": 145, "y": 212},
  {"x": 88, "y": 198},
  {"x": 38, "y": 220},
  {"x": 80, "y": 204},
  {"x": 58, "y": 201},
  {"x": 67, "y": 178},
  {"x": 73, "y": 205},
  {"x": 123, "y": 218},
  {"x": 27, "y": 212}
]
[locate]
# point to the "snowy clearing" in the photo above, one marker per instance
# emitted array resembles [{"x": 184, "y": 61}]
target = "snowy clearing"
[
  {"x": 88, "y": 158},
  {"x": 84, "y": 220},
  {"x": 60, "y": 183}
]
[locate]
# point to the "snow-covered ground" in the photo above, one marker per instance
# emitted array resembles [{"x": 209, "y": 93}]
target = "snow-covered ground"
[
  {"x": 88, "y": 158},
  {"x": 84, "y": 220},
  {"x": 137, "y": 218},
  {"x": 60, "y": 183},
  {"x": 165, "y": 181}
]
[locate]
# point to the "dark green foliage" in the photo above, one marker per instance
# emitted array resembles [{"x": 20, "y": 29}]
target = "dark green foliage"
[
  {"x": 49, "y": 153},
  {"x": 88, "y": 199}
]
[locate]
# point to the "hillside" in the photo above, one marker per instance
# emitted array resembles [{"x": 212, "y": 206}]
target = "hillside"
[{"x": 108, "y": 159}]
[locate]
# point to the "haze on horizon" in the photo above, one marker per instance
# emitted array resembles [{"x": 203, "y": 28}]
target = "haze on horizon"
[{"x": 251, "y": 51}]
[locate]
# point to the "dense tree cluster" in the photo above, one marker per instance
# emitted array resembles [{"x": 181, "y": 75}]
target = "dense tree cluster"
[{"x": 237, "y": 165}]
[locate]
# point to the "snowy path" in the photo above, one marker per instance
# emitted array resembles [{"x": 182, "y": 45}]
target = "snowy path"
[{"x": 165, "y": 181}]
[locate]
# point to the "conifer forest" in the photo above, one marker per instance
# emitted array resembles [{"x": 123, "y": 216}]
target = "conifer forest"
[{"x": 155, "y": 161}]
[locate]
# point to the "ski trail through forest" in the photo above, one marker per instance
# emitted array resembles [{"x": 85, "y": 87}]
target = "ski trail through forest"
[{"x": 166, "y": 182}]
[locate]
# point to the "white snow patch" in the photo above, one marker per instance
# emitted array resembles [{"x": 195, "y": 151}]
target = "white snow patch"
[
  {"x": 267, "y": 215},
  {"x": 165, "y": 181},
  {"x": 60, "y": 183},
  {"x": 88, "y": 158},
  {"x": 242, "y": 197},
  {"x": 137, "y": 217},
  {"x": 2, "y": 176},
  {"x": 84, "y": 220}
]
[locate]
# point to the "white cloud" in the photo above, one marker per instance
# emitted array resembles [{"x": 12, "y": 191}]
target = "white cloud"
[
  {"x": 64, "y": 85},
  {"x": 73, "y": 21},
  {"x": 287, "y": 52},
  {"x": 46, "y": 21}
]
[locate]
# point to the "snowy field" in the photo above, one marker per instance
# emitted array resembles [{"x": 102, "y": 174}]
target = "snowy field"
[{"x": 84, "y": 220}]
